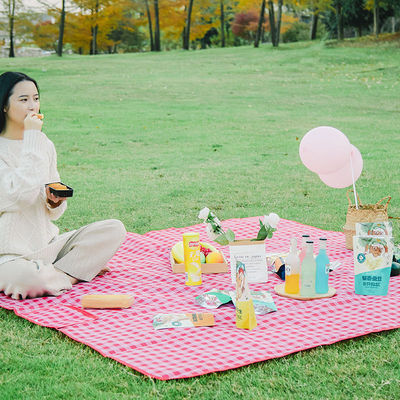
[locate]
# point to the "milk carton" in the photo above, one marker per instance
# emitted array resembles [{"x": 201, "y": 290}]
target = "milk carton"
[{"x": 372, "y": 264}]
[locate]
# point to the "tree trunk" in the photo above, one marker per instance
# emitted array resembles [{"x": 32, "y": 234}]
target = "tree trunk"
[
  {"x": 150, "y": 25},
  {"x": 260, "y": 24},
  {"x": 393, "y": 24},
  {"x": 272, "y": 27},
  {"x": 279, "y": 22},
  {"x": 11, "y": 16},
  {"x": 222, "y": 23},
  {"x": 186, "y": 38},
  {"x": 314, "y": 25},
  {"x": 93, "y": 49},
  {"x": 157, "y": 43},
  {"x": 94, "y": 40},
  {"x": 359, "y": 30},
  {"x": 376, "y": 18},
  {"x": 339, "y": 20},
  {"x": 61, "y": 30}
]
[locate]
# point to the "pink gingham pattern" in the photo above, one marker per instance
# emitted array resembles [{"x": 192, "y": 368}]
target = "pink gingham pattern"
[{"x": 141, "y": 267}]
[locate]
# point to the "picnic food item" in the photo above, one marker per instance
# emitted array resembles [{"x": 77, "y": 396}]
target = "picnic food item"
[
  {"x": 40, "y": 116},
  {"x": 308, "y": 272},
  {"x": 164, "y": 321},
  {"x": 245, "y": 315},
  {"x": 214, "y": 257},
  {"x": 60, "y": 189},
  {"x": 373, "y": 257},
  {"x": 106, "y": 301},
  {"x": 322, "y": 275},
  {"x": 191, "y": 252},
  {"x": 213, "y": 299},
  {"x": 58, "y": 186},
  {"x": 177, "y": 250},
  {"x": 292, "y": 269}
]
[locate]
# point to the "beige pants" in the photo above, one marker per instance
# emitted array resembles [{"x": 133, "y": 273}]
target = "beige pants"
[{"x": 84, "y": 255}]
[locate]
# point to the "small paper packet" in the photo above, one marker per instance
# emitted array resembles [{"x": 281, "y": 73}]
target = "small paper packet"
[
  {"x": 213, "y": 299},
  {"x": 165, "y": 321}
]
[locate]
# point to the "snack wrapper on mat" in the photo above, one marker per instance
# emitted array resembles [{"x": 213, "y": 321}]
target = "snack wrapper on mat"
[
  {"x": 262, "y": 301},
  {"x": 245, "y": 315},
  {"x": 165, "y": 321},
  {"x": 213, "y": 299}
]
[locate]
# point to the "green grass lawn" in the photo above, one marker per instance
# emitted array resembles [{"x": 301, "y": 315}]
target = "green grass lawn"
[{"x": 152, "y": 138}]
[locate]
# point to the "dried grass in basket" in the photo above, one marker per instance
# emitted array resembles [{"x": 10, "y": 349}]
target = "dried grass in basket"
[{"x": 365, "y": 213}]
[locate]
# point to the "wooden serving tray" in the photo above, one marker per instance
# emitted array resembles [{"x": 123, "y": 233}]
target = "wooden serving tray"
[
  {"x": 280, "y": 289},
  {"x": 211, "y": 268}
]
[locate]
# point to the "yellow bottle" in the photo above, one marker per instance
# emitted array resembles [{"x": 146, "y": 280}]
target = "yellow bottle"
[
  {"x": 292, "y": 269},
  {"x": 191, "y": 255}
]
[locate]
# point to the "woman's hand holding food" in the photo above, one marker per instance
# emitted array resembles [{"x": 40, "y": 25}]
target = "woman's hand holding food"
[
  {"x": 53, "y": 200},
  {"x": 33, "y": 122}
]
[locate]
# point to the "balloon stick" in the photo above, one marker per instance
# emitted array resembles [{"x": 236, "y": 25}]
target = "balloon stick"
[{"x": 354, "y": 184}]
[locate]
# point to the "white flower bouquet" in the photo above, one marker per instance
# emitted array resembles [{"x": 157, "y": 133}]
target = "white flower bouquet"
[{"x": 216, "y": 233}]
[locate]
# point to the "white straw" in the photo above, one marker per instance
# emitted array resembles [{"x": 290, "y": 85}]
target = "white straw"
[{"x": 354, "y": 184}]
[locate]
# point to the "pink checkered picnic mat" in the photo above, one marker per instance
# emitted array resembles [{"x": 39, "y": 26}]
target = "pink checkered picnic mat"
[{"x": 142, "y": 267}]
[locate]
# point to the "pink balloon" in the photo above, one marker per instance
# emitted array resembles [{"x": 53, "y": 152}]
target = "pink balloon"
[
  {"x": 324, "y": 149},
  {"x": 342, "y": 177}
]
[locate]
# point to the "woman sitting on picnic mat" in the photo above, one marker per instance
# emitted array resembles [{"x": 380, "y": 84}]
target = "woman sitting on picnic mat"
[{"x": 34, "y": 259}]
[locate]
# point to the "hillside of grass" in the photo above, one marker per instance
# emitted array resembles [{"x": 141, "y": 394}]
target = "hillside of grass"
[{"x": 152, "y": 138}]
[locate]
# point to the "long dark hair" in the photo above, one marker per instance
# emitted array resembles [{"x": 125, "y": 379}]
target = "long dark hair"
[{"x": 7, "y": 82}]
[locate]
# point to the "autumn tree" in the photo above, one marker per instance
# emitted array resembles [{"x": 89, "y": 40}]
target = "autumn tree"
[
  {"x": 10, "y": 7},
  {"x": 245, "y": 24},
  {"x": 316, "y": 7}
]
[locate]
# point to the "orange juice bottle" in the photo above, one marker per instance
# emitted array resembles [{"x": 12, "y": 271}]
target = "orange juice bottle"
[
  {"x": 191, "y": 256},
  {"x": 292, "y": 269}
]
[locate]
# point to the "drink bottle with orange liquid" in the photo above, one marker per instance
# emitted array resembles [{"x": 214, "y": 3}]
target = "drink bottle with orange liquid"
[{"x": 292, "y": 269}]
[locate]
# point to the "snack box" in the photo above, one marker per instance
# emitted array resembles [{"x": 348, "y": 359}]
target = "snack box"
[
  {"x": 210, "y": 268},
  {"x": 57, "y": 189}
]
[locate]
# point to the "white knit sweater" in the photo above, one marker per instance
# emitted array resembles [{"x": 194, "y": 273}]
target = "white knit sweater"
[{"x": 25, "y": 217}]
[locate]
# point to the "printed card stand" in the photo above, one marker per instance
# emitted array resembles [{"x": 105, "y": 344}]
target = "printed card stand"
[{"x": 252, "y": 254}]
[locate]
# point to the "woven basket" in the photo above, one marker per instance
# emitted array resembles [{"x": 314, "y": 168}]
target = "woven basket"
[{"x": 365, "y": 213}]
